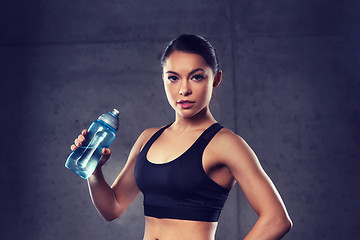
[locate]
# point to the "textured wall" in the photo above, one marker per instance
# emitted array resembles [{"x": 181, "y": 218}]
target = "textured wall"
[{"x": 290, "y": 88}]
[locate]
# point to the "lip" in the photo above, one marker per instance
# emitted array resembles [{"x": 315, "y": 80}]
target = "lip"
[{"x": 185, "y": 104}]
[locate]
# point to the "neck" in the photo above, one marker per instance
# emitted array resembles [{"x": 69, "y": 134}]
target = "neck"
[{"x": 200, "y": 120}]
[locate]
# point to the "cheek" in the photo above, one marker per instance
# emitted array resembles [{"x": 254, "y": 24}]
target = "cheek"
[
  {"x": 170, "y": 91},
  {"x": 206, "y": 92}
]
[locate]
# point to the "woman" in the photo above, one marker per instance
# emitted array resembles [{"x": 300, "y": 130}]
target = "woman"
[{"x": 186, "y": 169}]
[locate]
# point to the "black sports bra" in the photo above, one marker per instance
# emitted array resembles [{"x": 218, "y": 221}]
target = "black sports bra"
[{"x": 180, "y": 189}]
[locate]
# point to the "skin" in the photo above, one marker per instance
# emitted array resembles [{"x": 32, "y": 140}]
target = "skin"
[{"x": 227, "y": 159}]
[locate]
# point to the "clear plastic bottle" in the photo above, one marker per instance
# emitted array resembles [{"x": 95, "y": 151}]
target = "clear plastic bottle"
[{"x": 101, "y": 134}]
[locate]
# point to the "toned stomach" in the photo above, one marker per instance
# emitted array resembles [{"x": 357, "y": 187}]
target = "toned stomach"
[{"x": 173, "y": 229}]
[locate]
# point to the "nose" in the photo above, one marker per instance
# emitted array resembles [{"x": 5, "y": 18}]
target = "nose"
[{"x": 185, "y": 89}]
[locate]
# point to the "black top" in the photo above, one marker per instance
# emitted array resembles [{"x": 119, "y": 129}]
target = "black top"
[{"x": 180, "y": 189}]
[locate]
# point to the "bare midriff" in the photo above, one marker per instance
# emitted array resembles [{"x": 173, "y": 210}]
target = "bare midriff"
[{"x": 173, "y": 229}]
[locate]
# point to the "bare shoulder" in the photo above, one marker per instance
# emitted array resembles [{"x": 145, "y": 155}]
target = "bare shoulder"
[
  {"x": 140, "y": 143},
  {"x": 232, "y": 148},
  {"x": 227, "y": 139},
  {"x": 146, "y": 135}
]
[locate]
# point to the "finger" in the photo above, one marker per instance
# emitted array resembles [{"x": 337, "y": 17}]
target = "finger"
[
  {"x": 73, "y": 147},
  {"x": 81, "y": 138},
  {"x": 83, "y": 132},
  {"x": 78, "y": 143}
]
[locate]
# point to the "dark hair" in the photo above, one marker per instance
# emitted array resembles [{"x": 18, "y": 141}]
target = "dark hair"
[{"x": 193, "y": 44}]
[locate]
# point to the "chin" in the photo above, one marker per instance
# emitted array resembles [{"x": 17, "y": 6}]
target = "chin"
[{"x": 187, "y": 113}]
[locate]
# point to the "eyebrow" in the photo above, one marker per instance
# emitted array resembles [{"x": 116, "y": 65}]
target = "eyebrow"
[{"x": 192, "y": 72}]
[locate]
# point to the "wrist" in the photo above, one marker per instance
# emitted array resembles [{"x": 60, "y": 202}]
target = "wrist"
[
  {"x": 96, "y": 174},
  {"x": 97, "y": 171}
]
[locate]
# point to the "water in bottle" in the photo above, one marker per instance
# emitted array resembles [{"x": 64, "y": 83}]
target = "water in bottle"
[{"x": 101, "y": 134}]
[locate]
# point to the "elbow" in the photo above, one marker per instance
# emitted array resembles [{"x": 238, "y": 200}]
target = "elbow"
[
  {"x": 288, "y": 225},
  {"x": 284, "y": 224},
  {"x": 277, "y": 225},
  {"x": 109, "y": 219},
  {"x": 113, "y": 215},
  {"x": 291, "y": 224}
]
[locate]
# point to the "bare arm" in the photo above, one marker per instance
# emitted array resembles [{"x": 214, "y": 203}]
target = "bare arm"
[
  {"x": 103, "y": 196},
  {"x": 112, "y": 201},
  {"x": 274, "y": 221}
]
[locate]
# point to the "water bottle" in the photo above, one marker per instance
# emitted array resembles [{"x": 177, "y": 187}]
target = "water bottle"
[{"x": 101, "y": 134}]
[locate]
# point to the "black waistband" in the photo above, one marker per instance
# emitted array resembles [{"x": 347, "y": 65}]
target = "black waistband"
[{"x": 183, "y": 213}]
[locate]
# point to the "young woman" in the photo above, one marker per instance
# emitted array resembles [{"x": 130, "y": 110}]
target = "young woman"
[{"x": 187, "y": 168}]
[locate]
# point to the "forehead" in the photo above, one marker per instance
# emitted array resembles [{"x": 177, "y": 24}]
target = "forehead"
[{"x": 182, "y": 60}]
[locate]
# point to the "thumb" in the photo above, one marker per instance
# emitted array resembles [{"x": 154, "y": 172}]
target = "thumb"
[{"x": 106, "y": 152}]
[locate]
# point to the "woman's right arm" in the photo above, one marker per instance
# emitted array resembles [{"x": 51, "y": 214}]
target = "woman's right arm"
[{"x": 111, "y": 202}]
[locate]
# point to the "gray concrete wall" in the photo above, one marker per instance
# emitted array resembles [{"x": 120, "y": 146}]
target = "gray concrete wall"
[{"x": 290, "y": 89}]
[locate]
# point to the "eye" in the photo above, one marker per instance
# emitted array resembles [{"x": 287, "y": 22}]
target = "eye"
[
  {"x": 173, "y": 78},
  {"x": 197, "y": 77}
]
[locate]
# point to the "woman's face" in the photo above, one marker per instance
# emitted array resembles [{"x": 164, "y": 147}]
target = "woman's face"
[{"x": 188, "y": 83}]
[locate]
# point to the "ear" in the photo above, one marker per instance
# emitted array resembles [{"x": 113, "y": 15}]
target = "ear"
[{"x": 217, "y": 79}]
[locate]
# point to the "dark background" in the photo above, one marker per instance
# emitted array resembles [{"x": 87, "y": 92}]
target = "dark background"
[{"x": 290, "y": 89}]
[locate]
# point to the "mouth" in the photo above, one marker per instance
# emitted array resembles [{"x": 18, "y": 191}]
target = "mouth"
[{"x": 185, "y": 104}]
